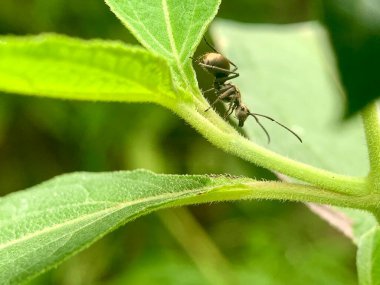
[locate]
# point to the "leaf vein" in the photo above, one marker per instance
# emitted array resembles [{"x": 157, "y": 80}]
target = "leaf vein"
[
  {"x": 139, "y": 21},
  {"x": 84, "y": 217},
  {"x": 173, "y": 44}
]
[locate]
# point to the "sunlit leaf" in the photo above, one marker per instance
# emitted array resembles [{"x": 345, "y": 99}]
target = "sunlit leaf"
[{"x": 67, "y": 68}]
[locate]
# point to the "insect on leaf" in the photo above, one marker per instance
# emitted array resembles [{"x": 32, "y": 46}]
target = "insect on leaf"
[{"x": 170, "y": 28}]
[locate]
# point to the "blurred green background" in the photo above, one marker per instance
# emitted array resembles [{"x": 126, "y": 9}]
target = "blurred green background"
[{"x": 257, "y": 242}]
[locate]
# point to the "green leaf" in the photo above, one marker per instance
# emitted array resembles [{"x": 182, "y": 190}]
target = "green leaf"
[
  {"x": 368, "y": 258},
  {"x": 354, "y": 28},
  {"x": 366, "y": 236},
  {"x": 62, "y": 67},
  {"x": 43, "y": 225},
  {"x": 170, "y": 28}
]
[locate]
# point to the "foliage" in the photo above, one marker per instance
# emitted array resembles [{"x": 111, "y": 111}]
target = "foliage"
[
  {"x": 354, "y": 29},
  {"x": 87, "y": 206}
]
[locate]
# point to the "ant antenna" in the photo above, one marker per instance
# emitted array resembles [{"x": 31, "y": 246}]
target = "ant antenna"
[
  {"x": 258, "y": 122},
  {"x": 273, "y": 120},
  {"x": 210, "y": 46},
  {"x": 214, "y": 49}
]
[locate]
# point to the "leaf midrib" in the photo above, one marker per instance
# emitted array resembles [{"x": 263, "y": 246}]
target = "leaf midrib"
[
  {"x": 117, "y": 207},
  {"x": 173, "y": 45}
]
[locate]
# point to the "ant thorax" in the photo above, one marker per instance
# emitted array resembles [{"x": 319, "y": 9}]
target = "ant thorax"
[{"x": 227, "y": 91}]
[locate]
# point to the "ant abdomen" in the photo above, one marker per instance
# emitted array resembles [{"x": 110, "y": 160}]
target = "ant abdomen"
[{"x": 216, "y": 64}]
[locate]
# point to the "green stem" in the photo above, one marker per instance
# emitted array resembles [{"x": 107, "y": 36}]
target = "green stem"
[
  {"x": 224, "y": 136},
  {"x": 282, "y": 191},
  {"x": 371, "y": 123}
]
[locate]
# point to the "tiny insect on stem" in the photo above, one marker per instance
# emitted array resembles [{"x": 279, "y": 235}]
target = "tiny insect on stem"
[{"x": 220, "y": 67}]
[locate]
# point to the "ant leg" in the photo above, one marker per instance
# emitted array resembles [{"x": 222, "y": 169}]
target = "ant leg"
[
  {"x": 213, "y": 103},
  {"x": 222, "y": 96},
  {"x": 210, "y": 46},
  {"x": 217, "y": 68},
  {"x": 229, "y": 110},
  {"x": 208, "y": 90},
  {"x": 233, "y": 64},
  {"x": 214, "y": 49},
  {"x": 234, "y": 103},
  {"x": 225, "y": 78},
  {"x": 232, "y": 110}
]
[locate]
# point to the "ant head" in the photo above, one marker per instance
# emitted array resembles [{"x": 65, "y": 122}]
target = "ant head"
[{"x": 242, "y": 112}]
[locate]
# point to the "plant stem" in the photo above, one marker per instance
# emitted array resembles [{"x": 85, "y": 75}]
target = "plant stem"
[
  {"x": 281, "y": 191},
  {"x": 228, "y": 139},
  {"x": 371, "y": 123}
]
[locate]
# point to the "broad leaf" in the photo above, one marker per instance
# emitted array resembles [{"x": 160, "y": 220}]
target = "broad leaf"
[
  {"x": 366, "y": 236},
  {"x": 368, "y": 258},
  {"x": 68, "y": 68},
  {"x": 170, "y": 28},
  {"x": 43, "y": 225},
  {"x": 354, "y": 28},
  {"x": 285, "y": 73}
]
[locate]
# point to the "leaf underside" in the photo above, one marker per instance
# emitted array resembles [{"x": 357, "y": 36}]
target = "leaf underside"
[
  {"x": 43, "y": 225},
  {"x": 368, "y": 257},
  {"x": 62, "y": 67}
]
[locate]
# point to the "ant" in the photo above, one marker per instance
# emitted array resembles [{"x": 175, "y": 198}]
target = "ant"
[{"x": 220, "y": 67}]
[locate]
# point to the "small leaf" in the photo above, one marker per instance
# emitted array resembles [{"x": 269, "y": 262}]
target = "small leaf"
[
  {"x": 62, "y": 67},
  {"x": 354, "y": 27},
  {"x": 42, "y": 226},
  {"x": 170, "y": 28},
  {"x": 368, "y": 257}
]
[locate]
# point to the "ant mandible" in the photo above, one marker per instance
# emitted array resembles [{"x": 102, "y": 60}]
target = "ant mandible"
[{"x": 220, "y": 67}]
